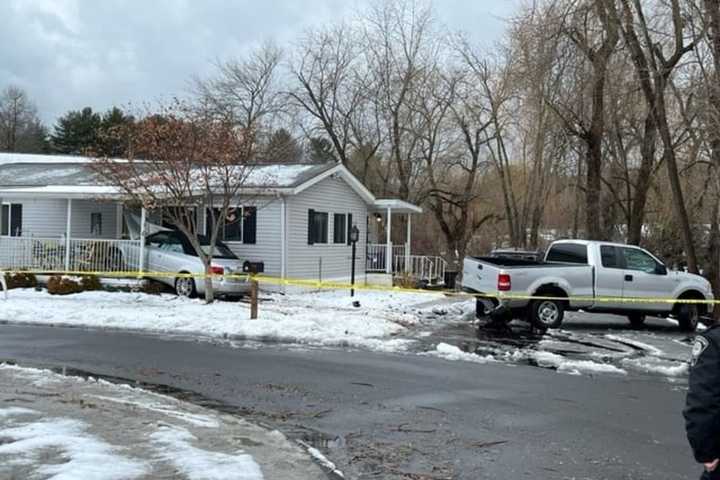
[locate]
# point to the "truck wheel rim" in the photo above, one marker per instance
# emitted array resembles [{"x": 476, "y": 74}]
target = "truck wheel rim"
[
  {"x": 184, "y": 287},
  {"x": 548, "y": 312}
]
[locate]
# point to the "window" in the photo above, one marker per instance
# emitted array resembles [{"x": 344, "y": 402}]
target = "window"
[
  {"x": 11, "y": 220},
  {"x": 240, "y": 224},
  {"x": 568, "y": 253},
  {"x": 638, "y": 260},
  {"x": 96, "y": 224},
  {"x": 340, "y": 228},
  {"x": 317, "y": 227},
  {"x": 609, "y": 257}
]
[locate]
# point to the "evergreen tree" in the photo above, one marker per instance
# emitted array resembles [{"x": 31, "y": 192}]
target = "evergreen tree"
[
  {"x": 321, "y": 150},
  {"x": 76, "y": 132},
  {"x": 108, "y": 142}
]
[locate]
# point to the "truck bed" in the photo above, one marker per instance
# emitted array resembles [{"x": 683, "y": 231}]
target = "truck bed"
[{"x": 509, "y": 263}]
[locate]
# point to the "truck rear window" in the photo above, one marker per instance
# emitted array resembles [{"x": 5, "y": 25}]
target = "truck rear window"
[{"x": 568, "y": 253}]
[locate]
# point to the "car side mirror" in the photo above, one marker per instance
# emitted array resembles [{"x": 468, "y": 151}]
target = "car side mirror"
[{"x": 661, "y": 269}]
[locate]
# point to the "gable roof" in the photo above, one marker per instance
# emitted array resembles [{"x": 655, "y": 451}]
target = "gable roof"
[{"x": 67, "y": 176}]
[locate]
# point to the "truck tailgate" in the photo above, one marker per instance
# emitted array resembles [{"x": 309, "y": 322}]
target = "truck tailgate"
[{"x": 479, "y": 276}]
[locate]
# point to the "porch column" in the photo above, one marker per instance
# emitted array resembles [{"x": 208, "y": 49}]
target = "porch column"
[
  {"x": 141, "y": 263},
  {"x": 408, "y": 238},
  {"x": 68, "y": 232},
  {"x": 388, "y": 245}
]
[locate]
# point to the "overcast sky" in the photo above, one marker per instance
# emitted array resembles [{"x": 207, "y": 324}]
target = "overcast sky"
[{"x": 68, "y": 54}]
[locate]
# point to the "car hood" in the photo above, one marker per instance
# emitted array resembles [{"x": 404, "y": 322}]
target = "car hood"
[{"x": 692, "y": 278}]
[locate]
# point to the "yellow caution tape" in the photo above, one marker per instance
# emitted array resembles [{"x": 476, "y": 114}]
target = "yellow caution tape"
[{"x": 333, "y": 285}]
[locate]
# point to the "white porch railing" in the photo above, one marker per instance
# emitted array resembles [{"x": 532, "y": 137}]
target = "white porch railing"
[
  {"x": 376, "y": 259},
  {"x": 421, "y": 267},
  {"x": 85, "y": 255}
]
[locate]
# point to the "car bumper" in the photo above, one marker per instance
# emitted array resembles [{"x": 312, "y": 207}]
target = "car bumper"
[{"x": 222, "y": 286}]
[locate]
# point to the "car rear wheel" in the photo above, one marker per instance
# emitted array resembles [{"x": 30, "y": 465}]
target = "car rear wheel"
[
  {"x": 637, "y": 320},
  {"x": 546, "y": 314},
  {"x": 688, "y": 316},
  {"x": 185, "y": 287}
]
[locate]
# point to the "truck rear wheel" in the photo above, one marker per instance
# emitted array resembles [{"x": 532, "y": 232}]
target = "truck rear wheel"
[
  {"x": 637, "y": 320},
  {"x": 546, "y": 314},
  {"x": 688, "y": 315}
]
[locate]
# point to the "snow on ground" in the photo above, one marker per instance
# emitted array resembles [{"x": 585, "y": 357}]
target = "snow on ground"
[
  {"x": 91, "y": 429},
  {"x": 454, "y": 354},
  {"x": 85, "y": 455},
  {"x": 325, "y": 318},
  {"x": 177, "y": 447},
  {"x": 564, "y": 364}
]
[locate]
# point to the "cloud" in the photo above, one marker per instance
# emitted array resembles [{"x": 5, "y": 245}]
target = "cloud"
[{"x": 72, "y": 53}]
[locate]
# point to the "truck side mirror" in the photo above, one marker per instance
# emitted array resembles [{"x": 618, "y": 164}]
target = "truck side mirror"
[{"x": 661, "y": 269}]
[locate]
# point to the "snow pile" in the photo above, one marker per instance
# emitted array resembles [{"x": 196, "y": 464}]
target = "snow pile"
[
  {"x": 324, "y": 318},
  {"x": 454, "y": 354},
  {"x": 655, "y": 365},
  {"x": 85, "y": 455},
  {"x": 562, "y": 364},
  {"x": 193, "y": 462}
]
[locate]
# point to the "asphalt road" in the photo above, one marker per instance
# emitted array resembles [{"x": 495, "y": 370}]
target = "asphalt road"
[{"x": 403, "y": 416}]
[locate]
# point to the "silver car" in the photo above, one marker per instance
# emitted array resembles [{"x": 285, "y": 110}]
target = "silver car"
[{"x": 170, "y": 252}]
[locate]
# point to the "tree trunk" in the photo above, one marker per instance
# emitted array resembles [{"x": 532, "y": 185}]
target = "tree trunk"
[
  {"x": 209, "y": 292},
  {"x": 643, "y": 181}
]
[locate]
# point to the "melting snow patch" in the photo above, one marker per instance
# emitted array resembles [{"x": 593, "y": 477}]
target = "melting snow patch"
[
  {"x": 321, "y": 459},
  {"x": 454, "y": 354},
  {"x": 653, "y": 365},
  {"x": 198, "y": 464},
  {"x": 83, "y": 455},
  {"x": 649, "y": 349},
  {"x": 562, "y": 364}
]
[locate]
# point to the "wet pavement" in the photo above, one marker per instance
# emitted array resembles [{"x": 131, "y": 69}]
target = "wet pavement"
[
  {"x": 588, "y": 340},
  {"x": 399, "y": 417}
]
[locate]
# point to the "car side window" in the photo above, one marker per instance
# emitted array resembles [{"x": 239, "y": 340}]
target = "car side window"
[
  {"x": 609, "y": 257},
  {"x": 638, "y": 260},
  {"x": 157, "y": 240},
  {"x": 173, "y": 244}
]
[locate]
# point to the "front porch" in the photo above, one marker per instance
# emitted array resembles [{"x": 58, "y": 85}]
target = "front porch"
[{"x": 397, "y": 260}]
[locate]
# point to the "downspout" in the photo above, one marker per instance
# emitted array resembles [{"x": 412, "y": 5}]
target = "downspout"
[{"x": 283, "y": 240}]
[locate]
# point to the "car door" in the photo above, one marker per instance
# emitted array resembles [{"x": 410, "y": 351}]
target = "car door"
[
  {"x": 153, "y": 252},
  {"x": 609, "y": 278},
  {"x": 174, "y": 258},
  {"x": 645, "y": 278}
]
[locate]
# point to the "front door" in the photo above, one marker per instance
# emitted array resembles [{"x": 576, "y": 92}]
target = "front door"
[{"x": 645, "y": 279}]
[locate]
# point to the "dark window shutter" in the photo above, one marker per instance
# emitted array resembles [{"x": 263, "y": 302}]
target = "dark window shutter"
[
  {"x": 249, "y": 233},
  {"x": 311, "y": 218},
  {"x": 4, "y": 219},
  {"x": 349, "y": 227},
  {"x": 208, "y": 223},
  {"x": 15, "y": 220}
]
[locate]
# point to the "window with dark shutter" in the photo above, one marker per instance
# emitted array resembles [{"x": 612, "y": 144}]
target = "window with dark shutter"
[
  {"x": 339, "y": 228},
  {"x": 249, "y": 228},
  {"x": 231, "y": 230},
  {"x": 11, "y": 220},
  {"x": 317, "y": 227},
  {"x": 96, "y": 224}
]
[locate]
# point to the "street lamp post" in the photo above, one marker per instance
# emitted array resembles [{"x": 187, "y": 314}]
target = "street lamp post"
[{"x": 354, "y": 237}]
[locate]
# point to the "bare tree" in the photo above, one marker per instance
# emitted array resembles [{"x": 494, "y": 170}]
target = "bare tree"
[
  {"x": 654, "y": 67},
  {"x": 20, "y": 127},
  {"x": 183, "y": 162},
  {"x": 243, "y": 91}
]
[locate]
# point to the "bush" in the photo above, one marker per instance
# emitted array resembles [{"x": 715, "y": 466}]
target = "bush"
[
  {"x": 90, "y": 283},
  {"x": 405, "y": 281},
  {"x": 152, "y": 287},
  {"x": 20, "y": 280},
  {"x": 62, "y": 285}
]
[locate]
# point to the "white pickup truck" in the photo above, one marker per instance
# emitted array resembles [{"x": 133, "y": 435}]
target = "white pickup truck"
[{"x": 593, "y": 276}]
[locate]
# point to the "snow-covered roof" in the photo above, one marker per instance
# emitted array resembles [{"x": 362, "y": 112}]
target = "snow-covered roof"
[{"x": 397, "y": 206}]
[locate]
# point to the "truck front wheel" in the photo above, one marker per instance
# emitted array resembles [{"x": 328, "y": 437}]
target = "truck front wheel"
[
  {"x": 546, "y": 314},
  {"x": 688, "y": 316},
  {"x": 637, "y": 320}
]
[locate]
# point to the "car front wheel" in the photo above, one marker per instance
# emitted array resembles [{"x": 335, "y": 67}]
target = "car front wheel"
[{"x": 185, "y": 287}]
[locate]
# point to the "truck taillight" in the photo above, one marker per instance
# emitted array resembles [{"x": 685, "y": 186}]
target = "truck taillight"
[
  {"x": 214, "y": 270},
  {"x": 504, "y": 283}
]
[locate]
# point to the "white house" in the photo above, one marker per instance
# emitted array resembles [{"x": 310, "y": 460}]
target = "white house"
[{"x": 296, "y": 220}]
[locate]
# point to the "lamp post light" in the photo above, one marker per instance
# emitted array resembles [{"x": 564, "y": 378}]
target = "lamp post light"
[{"x": 354, "y": 237}]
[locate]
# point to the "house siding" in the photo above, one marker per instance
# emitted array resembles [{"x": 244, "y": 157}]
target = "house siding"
[
  {"x": 331, "y": 195},
  {"x": 47, "y": 218},
  {"x": 268, "y": 246}
]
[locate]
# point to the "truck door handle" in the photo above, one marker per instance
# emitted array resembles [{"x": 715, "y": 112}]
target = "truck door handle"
[{"x": 628, "y": 278}]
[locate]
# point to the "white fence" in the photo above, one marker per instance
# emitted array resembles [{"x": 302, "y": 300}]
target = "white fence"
[
  {"x": 376, "y": 259},
  {"x": 83, "y": 255},
  {"x": 421, "y": 267}
]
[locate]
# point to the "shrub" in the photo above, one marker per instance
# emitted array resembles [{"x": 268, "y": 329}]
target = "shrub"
[
  {"x": 152, "y": 287},
  {"x": 405, "y": 281},
  {"x": 60, "y": 285},
  {"x": 90, "y": 283},
  {"x": 20, "y": 280}
]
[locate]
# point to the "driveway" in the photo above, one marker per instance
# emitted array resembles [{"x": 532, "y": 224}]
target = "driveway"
[{"x": 395, "y": 416}]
